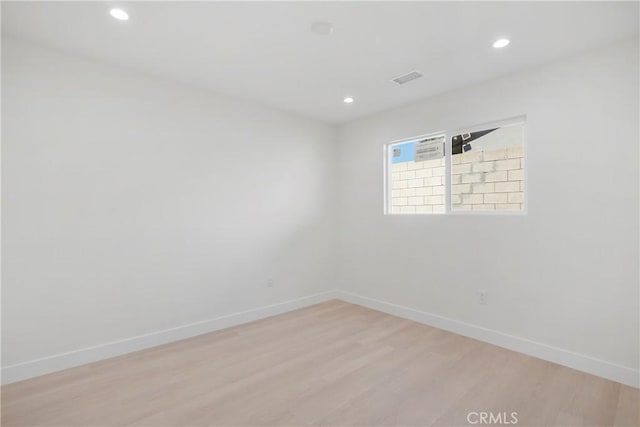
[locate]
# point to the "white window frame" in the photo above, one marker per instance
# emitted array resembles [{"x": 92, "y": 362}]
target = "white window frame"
[{"x": 387, "y": 147}]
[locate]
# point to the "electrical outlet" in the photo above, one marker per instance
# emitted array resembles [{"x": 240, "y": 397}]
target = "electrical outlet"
[
  {"x": 482, "y": 297},
  {"x": 269, "y": 282}
]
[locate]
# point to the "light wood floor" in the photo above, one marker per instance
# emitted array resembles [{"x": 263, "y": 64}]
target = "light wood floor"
[{"x": 331, "y": 364}]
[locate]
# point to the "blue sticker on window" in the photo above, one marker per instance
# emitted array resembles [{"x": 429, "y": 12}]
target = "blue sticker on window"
[{"x": 404, "y": 152}]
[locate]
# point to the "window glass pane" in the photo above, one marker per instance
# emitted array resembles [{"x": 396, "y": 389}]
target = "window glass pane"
[
  {"x": 487, "y": 169},
  {"x": 417, "y": 176}
]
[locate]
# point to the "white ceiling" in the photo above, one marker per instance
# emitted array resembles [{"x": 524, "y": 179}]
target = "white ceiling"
[{"x": 265, "y": 51}]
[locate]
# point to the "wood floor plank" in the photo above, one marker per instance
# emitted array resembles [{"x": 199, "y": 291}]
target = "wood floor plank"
[
  {"x": 332, "y": 364},
  {"x": 628, "y": 407}
]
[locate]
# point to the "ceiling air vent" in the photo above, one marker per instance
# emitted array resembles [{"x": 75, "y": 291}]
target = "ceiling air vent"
[{"x": 408, "y": 77}]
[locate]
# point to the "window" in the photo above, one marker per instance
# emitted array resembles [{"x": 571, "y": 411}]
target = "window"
[{"x": 480, "y": 169}]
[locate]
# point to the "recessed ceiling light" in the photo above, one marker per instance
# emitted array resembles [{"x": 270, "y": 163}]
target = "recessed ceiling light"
[
  {"x": 322, "y": 28},
  {"x": 119, "y": 14},
  {"x": 348, "y": 100},
  {"x": 500, "y": 43}
]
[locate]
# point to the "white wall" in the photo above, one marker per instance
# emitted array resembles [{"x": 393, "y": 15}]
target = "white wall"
[
  {"x": 566, "y": 274},
  {"x": 132, "y": 204}
]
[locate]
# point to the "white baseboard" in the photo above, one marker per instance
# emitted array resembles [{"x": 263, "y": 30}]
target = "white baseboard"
[
  {"x": 550, "y": 353},
  {"x": 58, "y": 362},
  {"x": 580, "y": 362}
]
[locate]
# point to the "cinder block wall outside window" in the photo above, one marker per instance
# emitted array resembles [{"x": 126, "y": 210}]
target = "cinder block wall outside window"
[
  {"x": 418, "y": 187},
  {"x": 487, "y": 173},
  {"x": 488, "y": 180}
]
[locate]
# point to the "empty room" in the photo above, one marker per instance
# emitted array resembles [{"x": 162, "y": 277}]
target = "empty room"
[{"x": 303, "y": 213}]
